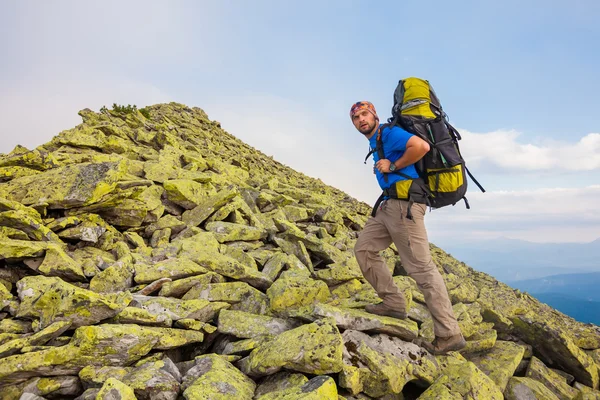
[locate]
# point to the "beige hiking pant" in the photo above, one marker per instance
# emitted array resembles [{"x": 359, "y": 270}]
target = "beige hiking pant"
[{"x": 390, "y": 224}]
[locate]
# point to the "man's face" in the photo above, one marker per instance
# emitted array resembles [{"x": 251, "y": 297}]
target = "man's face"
[{"x": 364, "y": 121}]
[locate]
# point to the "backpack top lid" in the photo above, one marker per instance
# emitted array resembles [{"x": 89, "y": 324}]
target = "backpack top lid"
[{"x": 414, "y": 97}]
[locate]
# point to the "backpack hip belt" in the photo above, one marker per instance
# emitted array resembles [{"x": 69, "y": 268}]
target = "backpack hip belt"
[{"x": 412, "y": 190}]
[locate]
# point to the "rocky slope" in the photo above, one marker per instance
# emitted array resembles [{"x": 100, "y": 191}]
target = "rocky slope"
[{"x": 152, "y": 255}]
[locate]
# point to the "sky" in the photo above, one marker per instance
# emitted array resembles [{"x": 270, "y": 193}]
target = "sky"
[{"x": 517, "y": 78}]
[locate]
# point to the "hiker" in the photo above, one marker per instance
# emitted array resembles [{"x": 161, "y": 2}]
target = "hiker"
[{"x": 401, "y": 222}]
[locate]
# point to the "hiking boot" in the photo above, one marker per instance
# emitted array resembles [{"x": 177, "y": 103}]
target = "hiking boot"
[
  {"x": 441, "y": 346},
  {"x": 382, "y": 309}
]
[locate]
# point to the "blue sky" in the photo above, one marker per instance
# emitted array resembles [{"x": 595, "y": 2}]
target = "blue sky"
[{"x": 518, "y": 78}]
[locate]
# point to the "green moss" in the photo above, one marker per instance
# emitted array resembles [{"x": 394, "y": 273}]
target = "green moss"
[
  {"x": 247, "y": 325},
  {"x": 114, "y": 388},
  {"x": 313, "y": 348},
  {"x": 463, "y": 380},
  {"x": 500, "y": 362},
  {"x": 291, "y": 293},
  {"x": 174, "y": 268},
  {"x": 219, "y": 380},
  {"x": 318, "y": 388},
  {"x": 521, "y": 387}
]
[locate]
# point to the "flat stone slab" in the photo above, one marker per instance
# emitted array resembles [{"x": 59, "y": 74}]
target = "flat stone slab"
[{"x": 360, "y": 320}]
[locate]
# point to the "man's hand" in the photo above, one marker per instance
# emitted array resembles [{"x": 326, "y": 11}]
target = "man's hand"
[{"x": 383, "y": 166}]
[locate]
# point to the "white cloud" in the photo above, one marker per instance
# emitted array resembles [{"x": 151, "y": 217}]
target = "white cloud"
[
  {"x": 541, "y": 215},
  {"x": 502, "y": 149},
  {"x": 35, "y": 110}
]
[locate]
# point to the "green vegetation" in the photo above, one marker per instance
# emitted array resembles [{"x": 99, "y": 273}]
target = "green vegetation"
[{"x": 126, "y": 109}]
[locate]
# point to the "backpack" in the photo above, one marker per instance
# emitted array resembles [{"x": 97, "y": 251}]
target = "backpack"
[{"x": 417, "y": 110}]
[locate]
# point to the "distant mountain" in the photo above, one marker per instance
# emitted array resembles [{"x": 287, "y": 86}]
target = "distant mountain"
[
  {"x": 512, "y": 260},
  {"x": 581, "y": 310},
  {"x": 580, "y": 286}
]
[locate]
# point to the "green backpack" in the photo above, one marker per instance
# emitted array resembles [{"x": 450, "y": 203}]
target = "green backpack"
[{"x": 418, "y": 110}]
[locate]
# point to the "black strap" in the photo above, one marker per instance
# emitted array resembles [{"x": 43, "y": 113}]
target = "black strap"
[
  {"x": 369, "y": 154},
  {"x": 408, "y": 178},
  {"x": 466, "y": 203},
  {"x": 408, "y": 212},
  {"x": 474, "y": 180},
  {"x": 377, "y": 203},
  {"x": 379, "y": 148}
]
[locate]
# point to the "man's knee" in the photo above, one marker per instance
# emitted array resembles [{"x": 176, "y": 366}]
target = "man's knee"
[{"x": 361, "y": 246}]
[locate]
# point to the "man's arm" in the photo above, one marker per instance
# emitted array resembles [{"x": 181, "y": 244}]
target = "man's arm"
[{"x": 416, "y": 148}]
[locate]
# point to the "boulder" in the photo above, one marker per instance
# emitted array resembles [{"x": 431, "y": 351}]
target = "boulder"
[
  {"x": 464, "y": 380},
  {"x": 314, "y": 348},
  {"x": 527, "y": 388},
  {"x": 213, "y": 377}
]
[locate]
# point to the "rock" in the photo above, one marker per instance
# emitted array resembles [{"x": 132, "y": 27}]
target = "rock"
[
  {"x": 20, "y": 249},
  {"x": 153, "y": 287},
  {"x": 526, "y": 388},
  {"x": 10, "y": 325},
  {"x": 13, "y": 233},
  {"x": 279, "y": 382},
  {"x": 180, "y": 287},
  {"x": 557, "y": 349},
  {"x": 382, "y": 365},
  {"x": 482, "y": 340},
  {"x": 114, "y": 389},
  {"x": 94, "y": 377},
  {"x": 243, "y": 347},
  {"x": 359, "y": 320},
  {"x": 500, "y": 362},
  {"x": 212, "y": 377},
  {"x": 339, "y": 273},
  {"x": 313, "y": 348},
  {"x": 176, "y": 309},
  {"x": 116, "y": 278},
  {"x": 200, "y": 213},
  {"x": 586, "y": 393},
  {"x": 86, "y": 231},
  {"x": 52, "y": 331},
  {"x": 346, "y": 290},
  {"x": 229, "y": 232},
  {"x": 141, "y": 316},
  {"x": 58, "y": 263},
  {"x": 274, "y": 265},
  {"x": 167, "y": 221},
  {"x": 187, "y": 193},
  {"x": 65, "y": 187},
  {"x": 469, "y": 320},
  {"x": 231, "y": 268},
  {"x": 28, "y": 222},
  {"x": 239, "y": 294},
  {"x": 56, "y": 387},
  {"x": 153, "y": 380},
  {"x": 238, "y": 253},
  {"x": 288, "y": 295},
  {"x": 551, "y": 380},
  {"x": 174, "y": 268},
  {"x": 246, "y": 325},
  {"x": 464, "y": 380},
  {"x": 499, "y": 305},
  {"x": 318, "y": 388},
  {"x": 195, "y": 325},
  {"x": 52, "y": 300}
]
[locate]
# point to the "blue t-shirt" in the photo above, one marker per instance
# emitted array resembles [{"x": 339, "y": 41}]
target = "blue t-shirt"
[{"x": 394, "y": 145}]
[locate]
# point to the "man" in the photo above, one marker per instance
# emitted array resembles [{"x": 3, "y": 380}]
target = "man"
[{"x": 394, "y": 222}]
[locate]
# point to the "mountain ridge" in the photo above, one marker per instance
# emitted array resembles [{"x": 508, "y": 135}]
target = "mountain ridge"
[{"x": 154, "y": 226}]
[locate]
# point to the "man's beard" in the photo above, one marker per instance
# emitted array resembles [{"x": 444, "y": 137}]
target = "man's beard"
[{"x": 368, "y": 130}]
